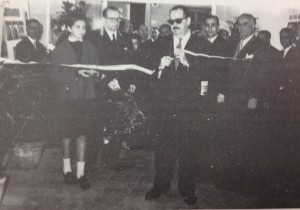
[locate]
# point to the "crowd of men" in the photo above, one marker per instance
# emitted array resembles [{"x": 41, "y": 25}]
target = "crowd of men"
[{"x": 193, "y": 100}]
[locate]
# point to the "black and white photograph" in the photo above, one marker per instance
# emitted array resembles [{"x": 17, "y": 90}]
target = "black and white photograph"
[
  {"x": 16, "y": 30},
  {"x": 21, "y": 29},
  {"x": 9, "y": 30},
  {"x": 149, "y": 104}
]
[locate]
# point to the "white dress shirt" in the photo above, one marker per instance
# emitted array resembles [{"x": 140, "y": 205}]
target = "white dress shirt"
[
  {"x": 245, "y": 41},
  {"x": 286, "y": 50},
  {"x": 111, "y": 33},
  {"x": 184, "y": 40},
  {"x": 212, "y": 39},
  {"x": 33, "y": 41}
]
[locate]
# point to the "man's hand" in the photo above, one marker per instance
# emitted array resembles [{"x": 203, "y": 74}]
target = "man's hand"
[
  {"x": 252, "y": 103},
  {"x": 132, "y": 88},
  {"x": 165, "y": 62},
  {"x": 114, "y": 85},
  {"x": 88, "y": 73},
  {"x": 220, "y": 98}
]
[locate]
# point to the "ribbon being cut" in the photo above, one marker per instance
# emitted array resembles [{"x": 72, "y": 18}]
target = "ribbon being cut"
[
  {"x": 122, "y": 115},
  {"x": 124, "y": 67}
]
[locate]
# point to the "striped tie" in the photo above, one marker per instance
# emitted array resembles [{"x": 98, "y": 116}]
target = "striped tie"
[{"x": 177, "y": 60}]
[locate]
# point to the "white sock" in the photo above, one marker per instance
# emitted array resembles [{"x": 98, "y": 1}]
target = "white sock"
[
  {"x": 80, "y": 169},
  {"x": 67, "y": 165}
]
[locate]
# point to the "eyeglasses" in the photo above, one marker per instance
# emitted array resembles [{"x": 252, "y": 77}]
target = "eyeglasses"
[
  {"x": 114, "y": 20},
  {"x": 178, "y": 20}
]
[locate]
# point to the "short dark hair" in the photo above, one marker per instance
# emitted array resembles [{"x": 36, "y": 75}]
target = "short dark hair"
[
  {"x": 28, "y": 22},
  {"x": 113, "y": 8},
  {"x": 185, "y": 10},
  {"x": 73, "y": 18},
  {"x": 212, "y": 17},
  {"x": 164, "y": 25},
  {"x": 266, "y": 33},
  {"x": 248, "y": 15},
  {"x": 289, "y": 31}
]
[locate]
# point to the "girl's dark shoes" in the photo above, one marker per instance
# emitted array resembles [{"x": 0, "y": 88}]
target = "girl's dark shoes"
[{"x": 70, "y": 178}]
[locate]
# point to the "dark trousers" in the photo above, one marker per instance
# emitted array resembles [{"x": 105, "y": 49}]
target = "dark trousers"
[{"x": 175, "y": 143}]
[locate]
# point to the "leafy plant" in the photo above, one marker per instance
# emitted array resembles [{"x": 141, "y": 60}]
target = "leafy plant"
[
  {"x": 232, "y": 23},
  {"x": 23, "y": 103},
  {"x": 69, "y": 9}
]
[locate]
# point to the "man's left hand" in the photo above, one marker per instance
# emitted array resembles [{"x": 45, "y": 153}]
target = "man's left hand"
[
  {"x": 132, "y": 88},
  {"x": 252, "y": 103}
]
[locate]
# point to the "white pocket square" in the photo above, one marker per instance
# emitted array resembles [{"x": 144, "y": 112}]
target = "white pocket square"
[{"x": 249, "y": 56}]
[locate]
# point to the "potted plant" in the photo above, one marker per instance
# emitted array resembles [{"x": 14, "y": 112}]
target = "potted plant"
[{"x": 23, "y": 96}]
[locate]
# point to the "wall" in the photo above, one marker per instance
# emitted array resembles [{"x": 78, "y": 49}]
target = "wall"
[
  {"x": 271, "y": 17},
  {"x": 22, "y": 7}
]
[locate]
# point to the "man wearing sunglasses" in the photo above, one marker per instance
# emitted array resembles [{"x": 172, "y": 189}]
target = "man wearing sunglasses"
[{"x": 177, "y": 95}]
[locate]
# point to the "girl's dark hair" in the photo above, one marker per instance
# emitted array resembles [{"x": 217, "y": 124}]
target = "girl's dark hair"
[{"x": 73, "y": 18}]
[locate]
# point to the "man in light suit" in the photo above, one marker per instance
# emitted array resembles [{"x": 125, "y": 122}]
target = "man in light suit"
[{"x": 29, "y": 48}]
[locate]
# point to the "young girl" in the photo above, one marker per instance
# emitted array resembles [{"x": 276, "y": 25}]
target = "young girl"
[{"x": 76, "y": 95}]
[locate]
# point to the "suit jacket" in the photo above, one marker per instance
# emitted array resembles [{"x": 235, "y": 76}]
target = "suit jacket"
[
  {"x": 71, "y": 86},
  {"x": 250, "y": 78},
  {"x": 288, "y": 76},
  {"x": 217, "y": 69},
  {"x": 113, "y": 53},
  {"x": 178, "y": 90},
  {"x": 26, "y": 52}
]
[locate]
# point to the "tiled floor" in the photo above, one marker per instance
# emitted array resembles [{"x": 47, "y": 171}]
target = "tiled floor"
[{"x": 43, "y": 189}]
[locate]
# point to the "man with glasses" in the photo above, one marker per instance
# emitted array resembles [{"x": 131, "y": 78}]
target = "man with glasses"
[
  {"x": 177, "y": 97},
  {"x": 114, "y": 49}
]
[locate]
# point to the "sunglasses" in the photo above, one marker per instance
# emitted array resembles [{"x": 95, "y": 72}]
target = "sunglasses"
[{"x": 178, "y": 20}]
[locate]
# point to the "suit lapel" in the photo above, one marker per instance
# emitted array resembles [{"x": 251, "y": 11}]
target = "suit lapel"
[
  {"x": 247, "y": 48},
  {"x": 289, "y": 54},
  {"x": 29, "y": 43}
]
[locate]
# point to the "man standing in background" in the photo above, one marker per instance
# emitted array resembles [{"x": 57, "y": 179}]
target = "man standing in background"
[{"x": 29, "y": 48}]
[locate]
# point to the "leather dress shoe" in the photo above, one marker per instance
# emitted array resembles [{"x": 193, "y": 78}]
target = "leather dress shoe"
[
  {"x": 69, "y": 178},
  {"x": 84, "y": 183},
  {"x": 155, "y": 193},
  {"x": 190, "y": 200}
]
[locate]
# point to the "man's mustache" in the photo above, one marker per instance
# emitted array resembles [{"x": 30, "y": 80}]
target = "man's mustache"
[{"x": 175, "y": 27}]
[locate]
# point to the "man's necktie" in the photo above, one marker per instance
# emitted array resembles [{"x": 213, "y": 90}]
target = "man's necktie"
[
  {"x": 114, "y": 38},
  {"x": 34, "y": 44},
  {"x": 282, "y": 53},
  {"x": 239, "y": 48},
  {"x": 178, "y": 47}
]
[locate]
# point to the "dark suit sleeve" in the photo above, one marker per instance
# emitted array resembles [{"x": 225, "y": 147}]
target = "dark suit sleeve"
[
  {"x": 260, "y": 71},
  {"x": 22, "y": 52}
]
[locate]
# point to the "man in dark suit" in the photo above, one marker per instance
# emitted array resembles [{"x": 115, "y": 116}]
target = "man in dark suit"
[
  {"x": 289, "y": 75},
  {"x": 248, "y": 78},
  {"x": 178, "y": 106},
  {"x": 114, "y": 49},
  {"x": 265, "y": 37},
  {"x": 248, "y": 92},
  {"x": 29, "y": 48},
  {"x": 217, "y": 69}
]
